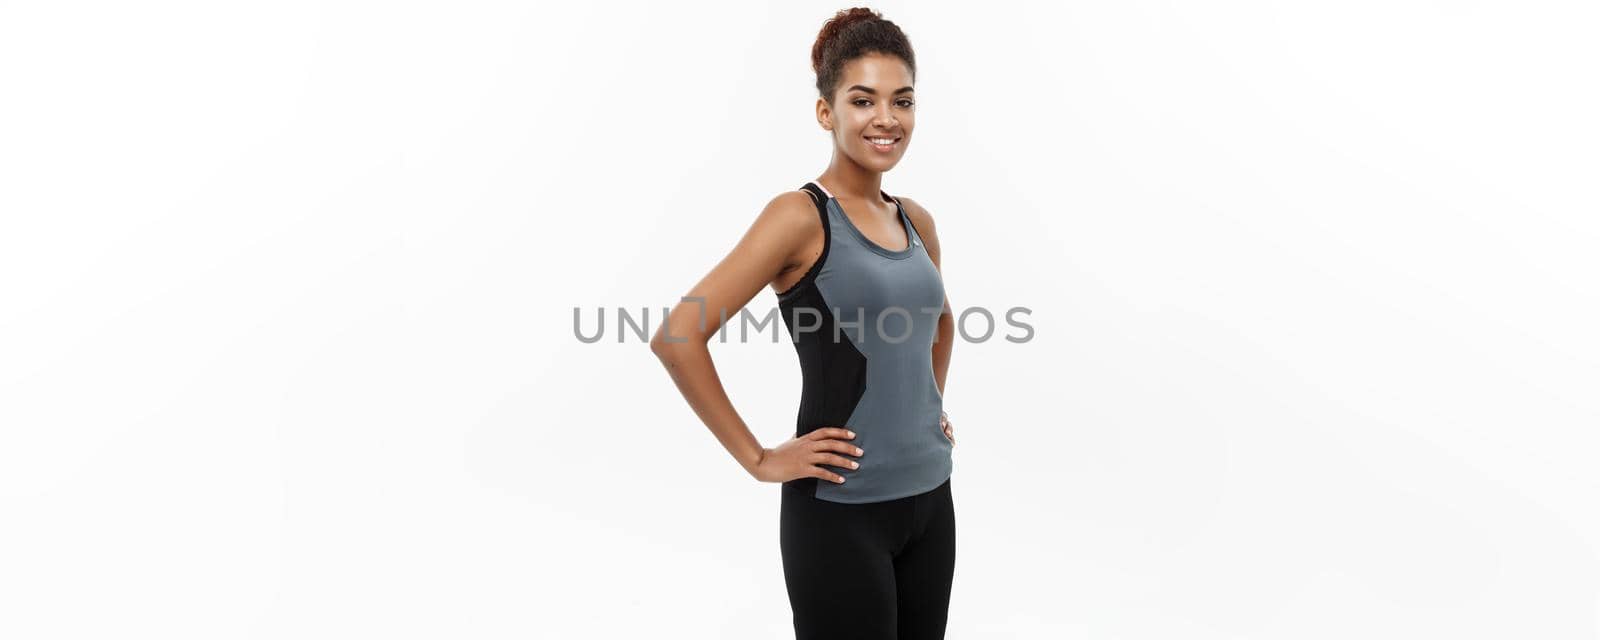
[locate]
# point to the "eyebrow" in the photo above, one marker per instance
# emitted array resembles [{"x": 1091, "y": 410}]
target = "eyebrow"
[{"x": 870, "y": 91}]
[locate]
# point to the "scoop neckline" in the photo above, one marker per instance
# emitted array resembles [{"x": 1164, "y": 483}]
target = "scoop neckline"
[{"x": 900, "y": 213}]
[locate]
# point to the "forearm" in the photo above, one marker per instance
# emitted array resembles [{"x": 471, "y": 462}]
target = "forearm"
[{"x": 695, "y": 374}]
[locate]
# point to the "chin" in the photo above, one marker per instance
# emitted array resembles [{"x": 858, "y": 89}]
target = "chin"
[{"x": 878, "y": 164}]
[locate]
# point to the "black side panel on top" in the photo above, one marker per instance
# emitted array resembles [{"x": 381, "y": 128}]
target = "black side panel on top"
[{"x": 834, "y": 372}]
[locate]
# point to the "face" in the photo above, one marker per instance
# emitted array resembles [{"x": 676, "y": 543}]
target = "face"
[{"x": 874, "y": 101}]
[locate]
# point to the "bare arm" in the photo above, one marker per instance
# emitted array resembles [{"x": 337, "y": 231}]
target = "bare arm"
[{"x": 760, "y": 256}]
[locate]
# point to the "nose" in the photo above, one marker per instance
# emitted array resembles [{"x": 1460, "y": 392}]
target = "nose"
[{"x": 884, "y": 118}]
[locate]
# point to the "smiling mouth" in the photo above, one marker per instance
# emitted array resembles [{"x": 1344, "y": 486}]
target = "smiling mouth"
[{"x": 883, "y": 143}]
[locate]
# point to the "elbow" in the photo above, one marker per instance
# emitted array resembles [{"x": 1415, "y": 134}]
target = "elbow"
[
  {"x": 671, "y": 339},
  {"x": 666, "y": 346},
  {"x": 659, "y": 346}
]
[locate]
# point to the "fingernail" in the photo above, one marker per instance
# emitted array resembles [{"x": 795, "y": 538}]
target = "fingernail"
[
  {"x": 852, "y": 433},
  {"x": 859, "y": 451},
  {"x": 855, "y": 465}
]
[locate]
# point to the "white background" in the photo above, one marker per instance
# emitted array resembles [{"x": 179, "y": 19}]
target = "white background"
[{"x": 287, "y": 341}]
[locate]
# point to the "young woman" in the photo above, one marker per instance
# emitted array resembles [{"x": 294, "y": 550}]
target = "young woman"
[{"x": 867, "y": 526}]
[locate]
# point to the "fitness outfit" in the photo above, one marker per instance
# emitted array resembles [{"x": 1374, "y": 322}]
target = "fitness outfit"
[{"x": 872, "y": 557}]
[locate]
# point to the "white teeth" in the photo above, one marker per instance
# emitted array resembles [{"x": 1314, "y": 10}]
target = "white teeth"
[{"x": 883, "y": 141}]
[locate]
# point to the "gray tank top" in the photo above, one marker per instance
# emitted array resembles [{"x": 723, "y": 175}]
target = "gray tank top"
[{"x": 863, "y": 320}]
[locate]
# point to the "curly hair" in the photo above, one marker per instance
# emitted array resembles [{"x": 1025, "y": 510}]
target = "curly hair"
[{"x": 851, "y": 34}]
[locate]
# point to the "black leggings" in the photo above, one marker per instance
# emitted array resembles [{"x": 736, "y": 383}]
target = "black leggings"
[{"x": 873, "y": 571}]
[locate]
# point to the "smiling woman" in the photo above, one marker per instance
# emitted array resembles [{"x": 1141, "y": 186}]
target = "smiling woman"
[
  {"x": 887, "y": 77},
  {"x": 867, "y": 523}
]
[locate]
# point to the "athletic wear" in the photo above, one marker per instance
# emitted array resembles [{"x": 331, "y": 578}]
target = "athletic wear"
[
  {"x": 863, "y": 320},
  {"x": 874, "y": 571}
]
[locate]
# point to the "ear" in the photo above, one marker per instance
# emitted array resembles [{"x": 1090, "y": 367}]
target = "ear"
[{"x": 824, "y": 114}]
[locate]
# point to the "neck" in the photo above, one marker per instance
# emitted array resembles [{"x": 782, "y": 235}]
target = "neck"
[{"x": 847, "y": 179}]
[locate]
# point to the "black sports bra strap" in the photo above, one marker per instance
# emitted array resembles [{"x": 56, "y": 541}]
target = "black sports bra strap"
[
  {"x": 818, "y": 198},
  {"x": 814, "y": 190}
]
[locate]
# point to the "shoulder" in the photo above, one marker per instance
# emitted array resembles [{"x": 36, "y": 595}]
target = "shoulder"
[
  {"x": 923, "y": 221},
  {"x": 785, "y": 226},
  {"x": 789, "y": 213},
  {"x": 795, "y": 200},
  {"x": 917, "y": 213},
  {"x": 792, "y": 207},
  {"x": 921, "y": 218}
]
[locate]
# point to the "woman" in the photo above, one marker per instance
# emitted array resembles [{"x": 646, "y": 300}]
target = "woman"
[{"x": 867, "y": 526}]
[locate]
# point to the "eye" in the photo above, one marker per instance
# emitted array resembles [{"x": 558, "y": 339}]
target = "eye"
[
  {"x": 858, "y": 101},
  {"x": 907, "y": 103}
]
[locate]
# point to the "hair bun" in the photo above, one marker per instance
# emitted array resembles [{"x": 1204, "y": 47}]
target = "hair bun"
[
  {"x": 851, "y": 34},
  {"x": 833, "y": 26}
]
